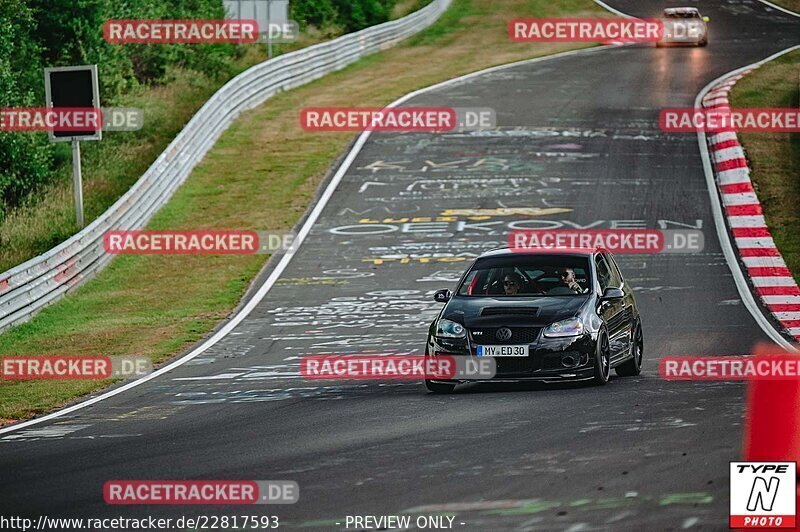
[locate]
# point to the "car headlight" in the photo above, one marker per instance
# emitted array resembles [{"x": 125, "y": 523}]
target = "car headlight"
[
  {"x": 450, "y": 329},
  {"x": 568, "y": 327}
]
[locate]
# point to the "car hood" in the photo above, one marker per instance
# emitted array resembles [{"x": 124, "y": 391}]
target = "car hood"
[{"x": 520, "y": 311}]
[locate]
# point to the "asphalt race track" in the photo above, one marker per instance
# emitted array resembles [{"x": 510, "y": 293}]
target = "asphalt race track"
[{"x": 578, "y": 138}]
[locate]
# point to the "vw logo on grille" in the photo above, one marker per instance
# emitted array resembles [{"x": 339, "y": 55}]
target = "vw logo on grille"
[{"x": 503, "y": 334}]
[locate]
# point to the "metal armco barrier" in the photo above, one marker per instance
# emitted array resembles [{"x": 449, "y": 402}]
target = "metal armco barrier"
[{"x": 27, "y": 288}]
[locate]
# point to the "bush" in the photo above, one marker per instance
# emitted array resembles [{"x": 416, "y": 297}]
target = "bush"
[
  {"x": 351, "y": 15},
  {"x": 355, "y": 15},
  {"x": 317, "y": 13}
]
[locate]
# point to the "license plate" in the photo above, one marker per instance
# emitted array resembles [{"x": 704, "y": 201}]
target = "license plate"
[{"x": 503, "y": 350}]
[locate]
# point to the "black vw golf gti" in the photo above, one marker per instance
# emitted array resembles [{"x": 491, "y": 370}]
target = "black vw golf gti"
[{"x": 541, "y": 315}]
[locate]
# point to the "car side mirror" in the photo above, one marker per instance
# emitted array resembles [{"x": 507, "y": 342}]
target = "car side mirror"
[
  {"x": 442, "y": 296},
  {"x": 706, "y": 19},
  {"x": 612, "y": 294}
]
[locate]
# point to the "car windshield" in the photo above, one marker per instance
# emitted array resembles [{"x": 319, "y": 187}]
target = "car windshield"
[
  {"x": 682, "y": 14},
  {"x": 525, "y": 276}
]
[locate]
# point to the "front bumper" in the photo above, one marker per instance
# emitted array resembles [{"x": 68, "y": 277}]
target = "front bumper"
[
  {"x": 683, "y": 32},
  {"x": 693, "y": 42},
  {"x": 692, "y": 39},
  {"x": 549, "y": 359}
]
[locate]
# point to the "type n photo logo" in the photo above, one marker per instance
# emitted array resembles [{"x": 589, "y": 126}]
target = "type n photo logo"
[{"x": 763, "y": 495}]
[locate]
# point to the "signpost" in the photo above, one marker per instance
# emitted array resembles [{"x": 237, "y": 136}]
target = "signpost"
[{"x": 74, "y": 87}]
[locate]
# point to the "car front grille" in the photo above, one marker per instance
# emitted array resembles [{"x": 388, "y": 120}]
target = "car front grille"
[{"x": 519, "y": 335}]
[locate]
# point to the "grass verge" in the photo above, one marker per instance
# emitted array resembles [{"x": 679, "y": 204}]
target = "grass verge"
[
  {"x": 775, "y": 157},
  {"x": 793, "y": 5},
  {"x": 260, "y": 175}
]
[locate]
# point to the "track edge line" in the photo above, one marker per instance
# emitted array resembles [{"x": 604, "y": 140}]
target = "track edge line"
[{"x": 780, "y": 8}]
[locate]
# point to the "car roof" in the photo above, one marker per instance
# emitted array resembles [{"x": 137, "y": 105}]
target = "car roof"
[
  {"x": 508, "y": 252},
  {"x": 681, "y": 10}
]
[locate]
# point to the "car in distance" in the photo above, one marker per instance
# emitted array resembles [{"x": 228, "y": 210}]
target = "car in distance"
[
  {"x": 684, "y": 26},
  {"x": 542, "y": 315}
]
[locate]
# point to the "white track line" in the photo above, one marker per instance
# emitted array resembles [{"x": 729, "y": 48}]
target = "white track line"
[
  {"x": 613, "y": 10},
  {"x": 779, "y": 8}
]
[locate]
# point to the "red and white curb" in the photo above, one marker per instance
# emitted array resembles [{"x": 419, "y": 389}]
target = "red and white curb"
[{"x": 763, "y": 263}]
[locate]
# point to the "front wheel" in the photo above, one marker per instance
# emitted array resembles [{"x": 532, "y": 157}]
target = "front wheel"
[
  {"x": 439, "y": 387},
  {"x": 602, "y": 359},
  {"x": 633, "y": 367}
]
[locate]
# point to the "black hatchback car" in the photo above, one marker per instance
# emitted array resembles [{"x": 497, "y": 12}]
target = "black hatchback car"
[{"x": 541, "y": 315}]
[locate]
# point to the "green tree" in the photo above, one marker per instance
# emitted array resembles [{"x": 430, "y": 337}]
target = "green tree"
[{"x": 25, "y": 158}]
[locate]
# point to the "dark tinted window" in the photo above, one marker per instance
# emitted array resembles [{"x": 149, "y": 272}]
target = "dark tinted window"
[
  {"x": 682, "y": 14},
  {"x": 525, "y": 276},
  {"x": 615, "y": 273},
  {"x": 603, "y": 273}
]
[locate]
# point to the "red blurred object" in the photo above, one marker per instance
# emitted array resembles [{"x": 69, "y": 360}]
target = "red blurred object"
[{"x": 772, "y": 417}]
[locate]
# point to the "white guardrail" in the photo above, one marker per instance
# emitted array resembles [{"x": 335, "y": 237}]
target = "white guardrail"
[{"x": 27, "y": 288}]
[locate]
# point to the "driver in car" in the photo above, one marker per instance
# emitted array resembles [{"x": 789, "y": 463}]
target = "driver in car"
[
  {"x": 568, "y": 280},
  {"x": 512, "y": 284}
]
